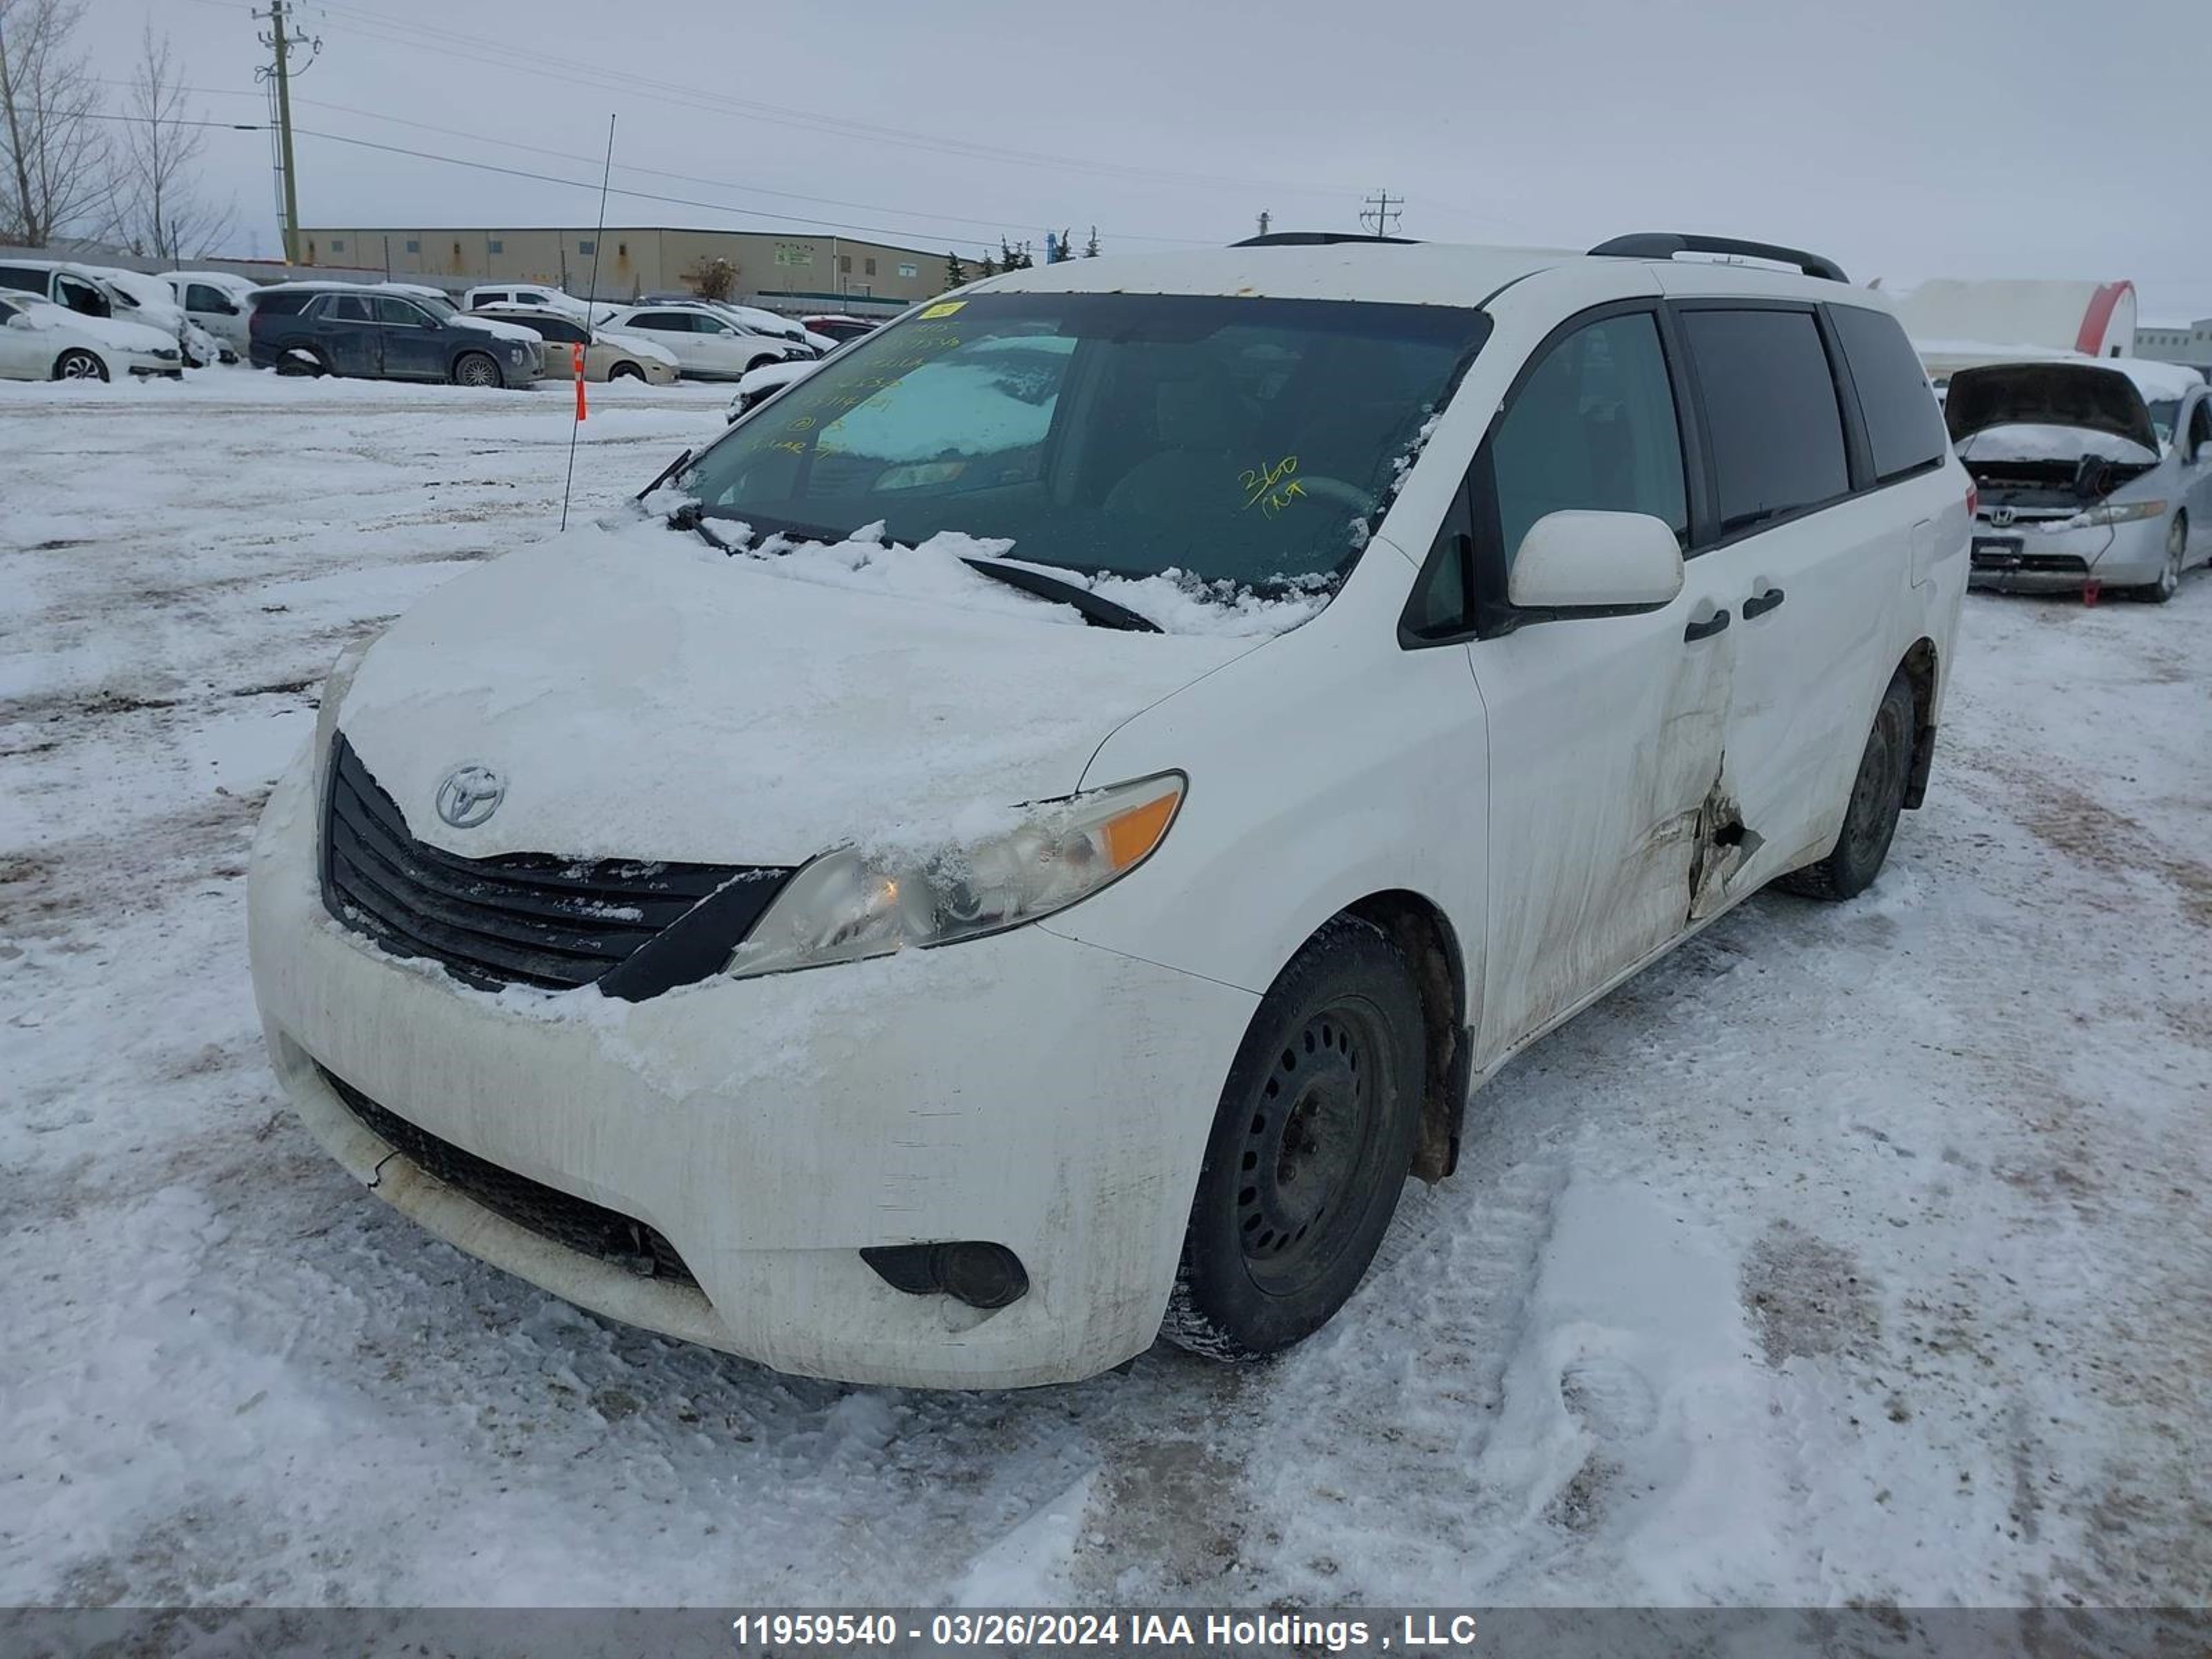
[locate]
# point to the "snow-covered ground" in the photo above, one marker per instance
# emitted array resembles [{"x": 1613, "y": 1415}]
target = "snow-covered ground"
[{"x": 1855, "y": 1252}]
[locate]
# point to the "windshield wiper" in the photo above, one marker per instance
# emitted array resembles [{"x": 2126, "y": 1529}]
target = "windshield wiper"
[{"x": 1101, "y": 613}]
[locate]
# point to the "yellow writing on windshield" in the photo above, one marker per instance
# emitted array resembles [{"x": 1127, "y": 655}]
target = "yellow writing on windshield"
[{"x": 1271, "y": 489}]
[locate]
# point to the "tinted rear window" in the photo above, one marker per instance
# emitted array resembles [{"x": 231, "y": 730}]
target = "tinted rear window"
[
  {"x": 282, "y": 305},
  {"x": 30, "y": 282},
  {"x": 1904, "y": 423},
  {"x": 1777, "y": 436}
]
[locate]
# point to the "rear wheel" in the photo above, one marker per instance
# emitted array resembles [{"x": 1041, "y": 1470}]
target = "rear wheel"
[
  {"x": 2169, "y": 578},
  {"x": 474, "y": 369},
  {"x": 79, "y": 365},
  {"x": 1311, "y": 1145},
  {"x": 1877, "y": 798}
]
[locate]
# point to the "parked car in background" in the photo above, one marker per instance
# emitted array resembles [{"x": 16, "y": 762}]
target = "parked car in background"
[
  {"x": 608, "y": 356},
  {"x": 757, "y": 387},
  {"x": 2091, "y": 471},
  {"x": 42, "y": 341},
  {"x": 537, "y": 297},
  {"x": 219, "y": 301},
  {"x": 101, "y": 291},
  {"x": 706, "y": 344},
  {"x": 841, "y": 328},
  {"x": 1600, "y": 591},
  {"x": 376, "y": 334},
  {"x": 752, "y": 319}
]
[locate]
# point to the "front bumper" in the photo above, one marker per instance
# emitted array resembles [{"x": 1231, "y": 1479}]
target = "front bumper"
[
  {"x": 2022, "y": 559},
  {"x": 1029, "y": 1090}
]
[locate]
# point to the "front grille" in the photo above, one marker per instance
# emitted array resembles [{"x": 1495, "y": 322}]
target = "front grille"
[
  {"x": 2039, "y": 564},
  {"x": 523, "y": 918},
  {"x": 576, "y": 1223}
]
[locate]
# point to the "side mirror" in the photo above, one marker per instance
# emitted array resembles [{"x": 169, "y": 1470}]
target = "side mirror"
[{"x": 1602, "y": 561}]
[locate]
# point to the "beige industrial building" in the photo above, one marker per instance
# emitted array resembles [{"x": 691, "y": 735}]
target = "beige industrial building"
[{"x": 785, "y": 271}]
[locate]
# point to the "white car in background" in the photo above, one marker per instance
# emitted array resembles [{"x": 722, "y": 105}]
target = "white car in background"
[
  {"x": 101, "y": 291},
  {"x": 537, "y": 297},
  {"x": 762, "y": 383},
  {"x": 219, "y": 301},
  {"x": 42, "y": 341},
  {"x": 706, "y": 344}
]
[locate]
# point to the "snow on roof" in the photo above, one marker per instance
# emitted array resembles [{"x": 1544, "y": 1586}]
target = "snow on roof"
[{"x": 1414, "y": 273}]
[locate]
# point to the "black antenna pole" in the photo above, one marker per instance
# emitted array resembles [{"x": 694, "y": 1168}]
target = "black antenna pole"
[{"x": 590, "y": 314}]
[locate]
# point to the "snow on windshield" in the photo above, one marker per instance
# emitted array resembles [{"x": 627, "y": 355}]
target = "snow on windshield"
[{"x": 1174, "y": 601}]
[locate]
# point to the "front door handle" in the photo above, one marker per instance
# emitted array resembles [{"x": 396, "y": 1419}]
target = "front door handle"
[
  {"x": 1706, "y": 630},
  {"x": 1759, "y": 603}
]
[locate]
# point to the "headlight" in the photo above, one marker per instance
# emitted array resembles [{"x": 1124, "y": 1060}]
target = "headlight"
[
  {"x": 335, "y": 684},
  {"x": 853, "y": 903},
  {"x": 2114, "y": 513}
]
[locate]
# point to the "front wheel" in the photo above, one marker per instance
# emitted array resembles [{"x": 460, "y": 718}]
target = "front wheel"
[
  {"x": 1311, "y": 1145},
  {"x": 473, "y": 368},
  {"x": 79, "y": 365},
  {"x": 2169, "y": 578},
  {"x": 625, "y": 372},
  {"x": 1877, "y": 798}
]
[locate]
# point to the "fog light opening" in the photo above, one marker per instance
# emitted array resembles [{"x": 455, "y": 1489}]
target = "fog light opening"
[{"x": 974, "y": 1271}]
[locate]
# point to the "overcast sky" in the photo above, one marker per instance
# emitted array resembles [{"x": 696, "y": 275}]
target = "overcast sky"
[{"x": 1938, "y": 138}]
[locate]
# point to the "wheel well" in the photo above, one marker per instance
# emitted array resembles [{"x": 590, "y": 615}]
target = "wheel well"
[
  {"x": 1420, "y": 929},
  {"x": 1920, "y": 671}
]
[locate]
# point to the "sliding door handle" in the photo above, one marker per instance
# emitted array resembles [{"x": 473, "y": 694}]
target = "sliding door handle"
[
  {"x": 1707, "y": 628},
  {"x": 1759, "y": 603}
]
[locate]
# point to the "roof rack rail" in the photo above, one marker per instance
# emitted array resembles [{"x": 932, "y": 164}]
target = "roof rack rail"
[
  {"x": 1315, "y": 239},
  {"x": 1666, "y": 244}
]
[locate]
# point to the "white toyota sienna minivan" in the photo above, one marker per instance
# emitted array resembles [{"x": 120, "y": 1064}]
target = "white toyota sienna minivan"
[{"x": 1027, "y": 841}]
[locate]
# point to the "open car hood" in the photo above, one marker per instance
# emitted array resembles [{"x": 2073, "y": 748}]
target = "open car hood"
[{"x": 2080, "y": 396}]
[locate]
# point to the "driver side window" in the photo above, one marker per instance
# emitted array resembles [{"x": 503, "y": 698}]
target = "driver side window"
[{"x": 1592, "y": 427}]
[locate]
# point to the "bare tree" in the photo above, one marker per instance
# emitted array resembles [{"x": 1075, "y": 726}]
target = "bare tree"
[
  {"x": 53, "y": 147},
  {"x": 713, "y": 279},
  {"x": 161, "y": 211}
]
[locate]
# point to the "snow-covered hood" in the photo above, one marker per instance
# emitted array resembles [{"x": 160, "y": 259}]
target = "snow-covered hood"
[
  {"x": 505, "y": 331},
  {"x": 643, "y": 695},
  {"x": 2081, "y": 396},
  {"x": 775, "y": 374}
]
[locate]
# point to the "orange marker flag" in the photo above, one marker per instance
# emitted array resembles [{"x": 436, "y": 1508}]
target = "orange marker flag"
[{"x": 577, "y": 357}]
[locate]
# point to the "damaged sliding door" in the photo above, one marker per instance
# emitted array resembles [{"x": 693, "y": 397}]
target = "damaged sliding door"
[{"x": 1605, "y": 733}]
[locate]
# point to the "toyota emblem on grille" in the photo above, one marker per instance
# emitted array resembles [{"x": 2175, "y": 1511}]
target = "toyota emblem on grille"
[
  {"x": 469, "y": 795},
  {"x": 2001, "y": 516}
]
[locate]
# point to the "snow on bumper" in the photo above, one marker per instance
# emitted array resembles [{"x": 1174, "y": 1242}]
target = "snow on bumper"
[{"x": 1029, "y": 1090}]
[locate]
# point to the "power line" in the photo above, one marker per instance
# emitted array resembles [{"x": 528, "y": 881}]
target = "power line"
[{"x": 1378, "y": 212}]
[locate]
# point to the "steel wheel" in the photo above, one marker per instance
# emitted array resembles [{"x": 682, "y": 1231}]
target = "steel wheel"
[
  {"x": 1312, "y": 1140},
  {"x": 79, "y": 365}
]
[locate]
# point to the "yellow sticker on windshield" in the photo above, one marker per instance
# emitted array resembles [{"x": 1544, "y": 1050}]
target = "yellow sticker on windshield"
[{"x": 942, "y": 308}]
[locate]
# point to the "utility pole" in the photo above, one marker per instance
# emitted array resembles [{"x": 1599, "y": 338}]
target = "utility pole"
[
  {"x": 1378, "y": 215},
  {"x": 1264, "y": 217},
  {"x": 279, "y": 72}
]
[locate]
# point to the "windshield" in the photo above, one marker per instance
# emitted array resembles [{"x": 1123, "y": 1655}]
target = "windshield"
[
  {"x": 443, "y": 310},
  {"x": 1247, "y": 440}
]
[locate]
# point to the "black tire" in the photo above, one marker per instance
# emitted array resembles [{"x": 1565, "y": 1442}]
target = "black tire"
[
  {"x": 2176, "y": 549},
  {"x": 317, "y": 365},
  {"x": 625, "y": 372},
  {"x": 1310, "y": 1151},
  {"x": 78, "y": 364},
  {"x": 478, "y": 370},
  {"x": 1877, "y": 798}
]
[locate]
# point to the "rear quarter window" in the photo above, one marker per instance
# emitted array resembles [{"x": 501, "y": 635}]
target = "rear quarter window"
[
  {"x": 1904, "y": 423},
  {"x": 1770, "y": 408},
  {"x": 282, "y": 305}
]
